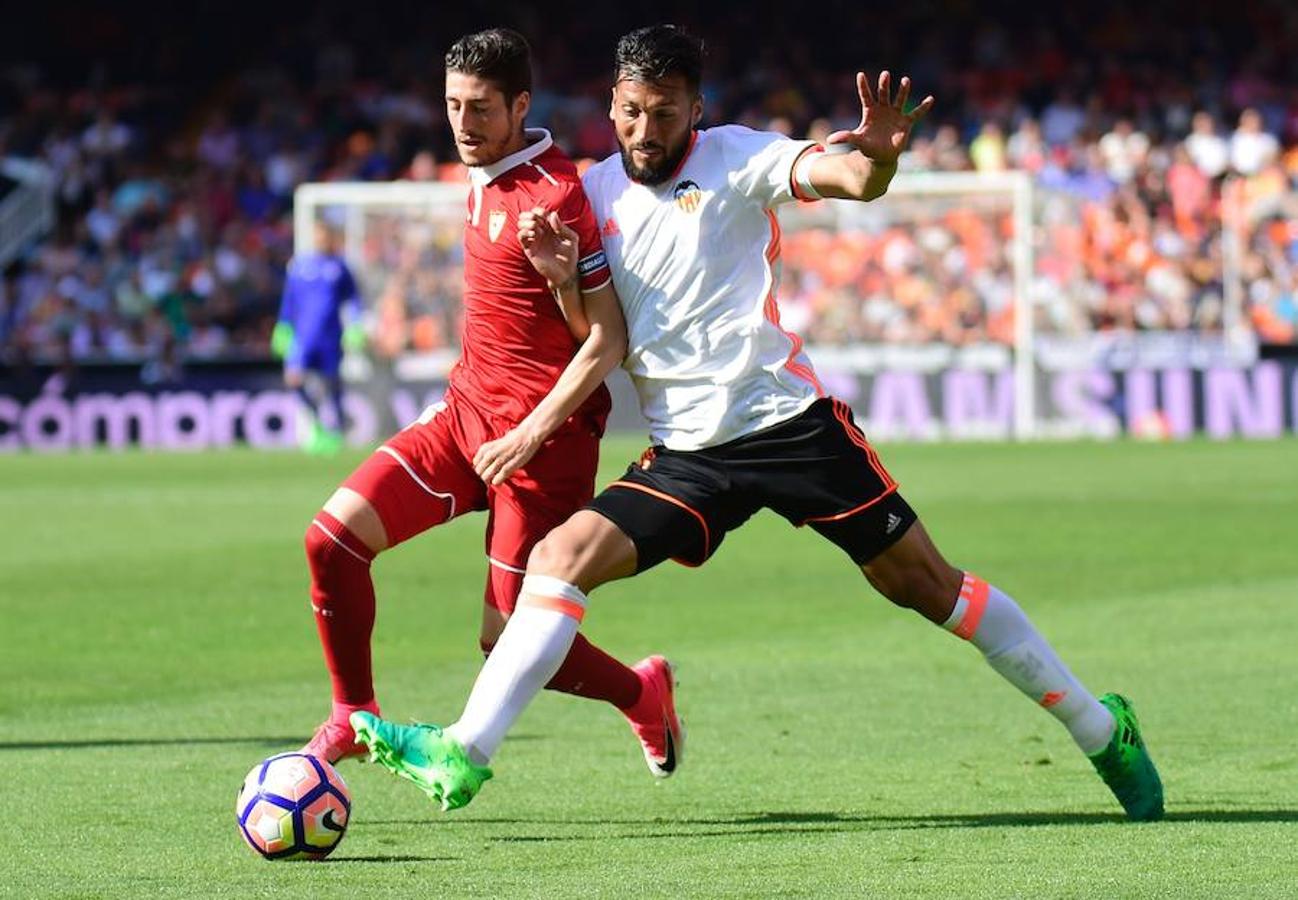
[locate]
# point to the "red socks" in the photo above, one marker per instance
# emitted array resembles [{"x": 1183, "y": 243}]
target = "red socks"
[
  {"x": 589, "y": 672},
  {"x": 342, "y": 596}
]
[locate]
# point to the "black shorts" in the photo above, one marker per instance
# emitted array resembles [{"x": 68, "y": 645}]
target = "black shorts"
[{"x": 815, "y": 469}]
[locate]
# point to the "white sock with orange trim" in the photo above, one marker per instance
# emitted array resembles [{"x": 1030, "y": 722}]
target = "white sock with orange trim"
[
  {"x": 530, "y": 650},
  {"x": 991, "y": 621}
]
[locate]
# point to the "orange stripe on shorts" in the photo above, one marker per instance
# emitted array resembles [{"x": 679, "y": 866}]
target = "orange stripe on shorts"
[
  {"x": 557, "y": 604},
  {"x": 974, "y": 590},
  {"x": 703, "y": 523},
  {"x": 842, "y": 412}
]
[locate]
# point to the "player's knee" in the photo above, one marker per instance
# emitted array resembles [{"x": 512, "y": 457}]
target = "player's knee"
[
  {"x": 558, "y": 555},
  {"x": 317, "y": 545},
  {"x": 325, "y": 552},
  {"x": 359, "y": 519}
]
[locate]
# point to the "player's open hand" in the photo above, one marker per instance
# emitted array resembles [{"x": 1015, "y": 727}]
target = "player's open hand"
[
  {"x": 549, "y": 244},
  {"x": 885, "y": 125},
  {"x": 496, "y": 460}
]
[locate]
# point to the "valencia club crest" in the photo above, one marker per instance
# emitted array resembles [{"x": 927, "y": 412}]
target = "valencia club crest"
[{"x": 688, "y": 196}]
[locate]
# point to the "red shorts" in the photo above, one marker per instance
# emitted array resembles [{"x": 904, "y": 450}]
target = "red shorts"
[{"x": 423, "y": 476}]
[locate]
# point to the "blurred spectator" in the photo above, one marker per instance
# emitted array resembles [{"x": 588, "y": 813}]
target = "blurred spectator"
[
  {"x": 1252, "y": 148},
  {"x": 1206, "y": 147},
  {"x": 174, "y": 191},
  {"x": 218, "y": 145},
  {"x": 423, "y": 167},
  {"x": 106, "y": 139},
  {"x": 1062, "y": 120},
  {"x": 1123, "y": 150},
  {"x": 987, "y": 151},
  {"x": 1026, "y": 149}
]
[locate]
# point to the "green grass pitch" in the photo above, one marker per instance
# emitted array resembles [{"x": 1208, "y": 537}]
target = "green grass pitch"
[{"x": 156, "y": 642}]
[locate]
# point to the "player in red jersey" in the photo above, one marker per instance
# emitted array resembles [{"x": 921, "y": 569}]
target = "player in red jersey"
[{"x": 518, "y": 432}]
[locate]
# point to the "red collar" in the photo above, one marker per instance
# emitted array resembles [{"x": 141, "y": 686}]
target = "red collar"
[
  {"x": 694, "y": 136},
  {"x": 539, "y": 141}
]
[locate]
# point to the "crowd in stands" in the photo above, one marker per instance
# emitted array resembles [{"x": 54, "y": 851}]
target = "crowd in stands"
[{"x": 1143, "y": 136}]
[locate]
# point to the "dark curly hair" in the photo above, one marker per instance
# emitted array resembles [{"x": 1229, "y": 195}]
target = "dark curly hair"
[
  {"x": 498, "y": 55},
  {"x": 658, "y": 52}
]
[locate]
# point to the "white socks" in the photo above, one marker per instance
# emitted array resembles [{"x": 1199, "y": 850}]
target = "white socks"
[
  {"x": 991, "y": 621},
  {"x": 530, "y": 650},
  {"x": 541, "y": 631}
]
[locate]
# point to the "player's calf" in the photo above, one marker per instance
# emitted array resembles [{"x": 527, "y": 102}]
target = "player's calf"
[
  {"x": 1104, "y": 729},
  {"x": 914, "y": 575},
  {"x": 342, "y": 600}
]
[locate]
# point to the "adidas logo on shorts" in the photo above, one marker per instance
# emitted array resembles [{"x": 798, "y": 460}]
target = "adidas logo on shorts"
[{"x": 893, "y": 521}]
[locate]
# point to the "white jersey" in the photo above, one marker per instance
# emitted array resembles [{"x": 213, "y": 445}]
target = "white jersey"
[{"x": 696, "y": 263}]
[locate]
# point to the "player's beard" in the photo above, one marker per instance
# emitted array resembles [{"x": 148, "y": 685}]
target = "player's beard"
[{"x": 656, "y": 173}]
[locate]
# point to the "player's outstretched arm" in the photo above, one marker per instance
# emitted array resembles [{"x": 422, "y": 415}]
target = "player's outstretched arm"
[{"x": 869, "y": 152}]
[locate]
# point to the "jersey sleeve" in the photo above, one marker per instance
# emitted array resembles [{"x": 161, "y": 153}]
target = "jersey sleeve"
[
  {"x": 761, "y": 163},
  {"x": 592, "y": 265}
]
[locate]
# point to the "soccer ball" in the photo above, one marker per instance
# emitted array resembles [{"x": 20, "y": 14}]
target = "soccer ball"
[{"x": 293, "y": 806}]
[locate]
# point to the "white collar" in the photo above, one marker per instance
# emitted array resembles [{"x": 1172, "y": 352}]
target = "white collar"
[{"x": 539, "y": 142}]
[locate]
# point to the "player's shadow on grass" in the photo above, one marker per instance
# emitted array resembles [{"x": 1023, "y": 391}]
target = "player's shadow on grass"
[
  {"x": 999, "y": 820},
  {"x": 831, "y": 823},
  {"x": 392, "y": 858},
  {"x": 285, "y": 743},
  {"x": 99, "y": 743},
  {"x": 1003, "y": 820}
]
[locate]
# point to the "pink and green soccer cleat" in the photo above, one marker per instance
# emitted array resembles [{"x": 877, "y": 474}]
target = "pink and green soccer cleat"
[
  {"x": 1126, "y": 767},
  {"x": 423, "y": 754}
]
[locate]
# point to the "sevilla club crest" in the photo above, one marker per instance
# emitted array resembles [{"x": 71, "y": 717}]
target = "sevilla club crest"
[{"x": 495, "y": 224}]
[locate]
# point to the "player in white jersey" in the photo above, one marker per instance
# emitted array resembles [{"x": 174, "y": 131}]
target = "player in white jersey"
[
  {"x": 738, "y": 420},
  {"x": 698, "y": 266}
]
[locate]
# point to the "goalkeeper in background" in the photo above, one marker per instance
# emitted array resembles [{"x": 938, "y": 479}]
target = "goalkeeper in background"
[{"x": 319, "y": 315}]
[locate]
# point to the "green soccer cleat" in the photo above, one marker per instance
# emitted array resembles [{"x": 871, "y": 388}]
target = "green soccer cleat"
[
  {"x": 1126, "y": 767},
  {"x": 321, "y": 441},
  {"x": 422, "y": 754}
]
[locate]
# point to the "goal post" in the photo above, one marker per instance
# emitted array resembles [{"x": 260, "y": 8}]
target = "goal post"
[{"x": 383, "y": 224}]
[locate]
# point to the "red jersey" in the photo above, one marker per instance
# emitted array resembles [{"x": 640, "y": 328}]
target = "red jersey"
[{"x": 515, "y": 342}]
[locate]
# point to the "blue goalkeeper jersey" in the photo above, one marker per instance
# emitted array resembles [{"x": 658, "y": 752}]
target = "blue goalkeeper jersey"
[{"x": 318, "y": 291}]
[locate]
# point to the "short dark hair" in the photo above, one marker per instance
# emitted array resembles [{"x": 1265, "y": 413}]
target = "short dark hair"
[
  {"x": 658, "y": 52},
  {"x": 498, "y": 55}
]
